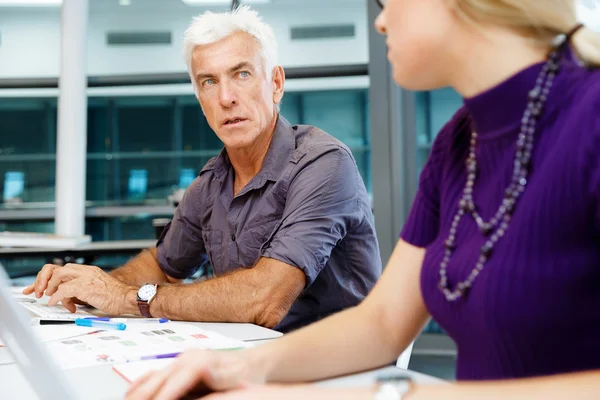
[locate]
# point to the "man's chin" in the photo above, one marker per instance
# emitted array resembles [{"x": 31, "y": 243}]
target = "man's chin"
[{"x": 238, "y": 143}]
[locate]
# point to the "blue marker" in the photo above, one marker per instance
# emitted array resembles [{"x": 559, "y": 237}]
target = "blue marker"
[{"x": 92, "y": 323}]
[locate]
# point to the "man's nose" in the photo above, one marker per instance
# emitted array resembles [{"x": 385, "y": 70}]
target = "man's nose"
[{"x": 227, "y": 96}]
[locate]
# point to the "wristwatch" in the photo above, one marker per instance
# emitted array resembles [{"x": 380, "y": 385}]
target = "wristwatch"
[
  {"x": 392, "y": 387},
  {"x": 144, "y": 296}
]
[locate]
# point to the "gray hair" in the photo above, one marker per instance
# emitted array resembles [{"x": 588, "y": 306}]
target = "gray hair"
[{"x": 211, "y": 27}]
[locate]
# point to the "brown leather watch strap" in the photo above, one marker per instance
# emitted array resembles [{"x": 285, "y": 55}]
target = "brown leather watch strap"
[{"x": 144, "y": 308}]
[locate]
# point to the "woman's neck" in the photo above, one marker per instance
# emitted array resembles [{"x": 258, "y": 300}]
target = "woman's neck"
[{"x": 488, "y": 56}]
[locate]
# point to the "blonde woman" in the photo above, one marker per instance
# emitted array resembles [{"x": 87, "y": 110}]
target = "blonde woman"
[{"x": 502, "y": 246}]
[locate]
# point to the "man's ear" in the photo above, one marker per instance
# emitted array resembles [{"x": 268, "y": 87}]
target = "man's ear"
[{"x": 278, "y": 79}]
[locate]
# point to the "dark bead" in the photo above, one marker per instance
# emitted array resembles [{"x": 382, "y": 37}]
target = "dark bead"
[
  {"x": 467, "y": 205},
  {"x": 529, "y": 147},
  {"x": 450, "y": 245},
  {"x": 553, "y": 66},
  {"x": 523, "y": 172},
  {"x": 485, "y": 229},
  {"x": 470, "y": 206},
  {"x": 487, "y": 249}
]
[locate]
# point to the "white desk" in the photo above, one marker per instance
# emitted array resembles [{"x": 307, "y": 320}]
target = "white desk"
[{"x": 102, "y": 382}]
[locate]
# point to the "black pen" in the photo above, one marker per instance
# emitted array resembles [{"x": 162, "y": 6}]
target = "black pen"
[{"x": 55, "y": 321}]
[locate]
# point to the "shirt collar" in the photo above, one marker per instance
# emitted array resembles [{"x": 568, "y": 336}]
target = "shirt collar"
[{"x": 280, "y": 151}]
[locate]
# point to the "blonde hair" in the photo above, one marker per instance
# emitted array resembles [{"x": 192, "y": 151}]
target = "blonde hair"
[{"x": 540, "y": 20}]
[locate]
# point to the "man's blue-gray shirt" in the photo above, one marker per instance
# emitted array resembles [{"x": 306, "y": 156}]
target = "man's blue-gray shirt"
[{"x": 307, "y": 207}]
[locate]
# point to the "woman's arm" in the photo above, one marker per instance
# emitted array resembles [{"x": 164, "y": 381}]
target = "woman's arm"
[
  {"x": 364, "y": 337},
  {"x": 580, "y": 386}
]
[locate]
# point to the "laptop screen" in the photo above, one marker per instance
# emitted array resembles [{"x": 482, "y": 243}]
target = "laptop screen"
[{"x": 42, "y": 375}]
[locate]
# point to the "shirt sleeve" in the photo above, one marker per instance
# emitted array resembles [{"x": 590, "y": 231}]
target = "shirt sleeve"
[
  {"x": 180, "y": 249},
  {"x": 320, "y": 207},
  {"x": 423, "y": 223}
]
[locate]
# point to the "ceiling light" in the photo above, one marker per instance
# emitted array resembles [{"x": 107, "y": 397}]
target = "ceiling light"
[
  {"x": 30, "y": 3},
  {"x": 221, "y": 2}
]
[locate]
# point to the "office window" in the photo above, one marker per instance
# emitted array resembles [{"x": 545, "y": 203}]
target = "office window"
[
  {"x": 141, "y": 150},
  {"x": 433, "y": 110},
  {"x": 196, "y": 133},
  {"x": 27, "y": 150},
  {"x": 136, "y": 227},
  {"x": 343, "y": 114},
  {"x": 290, "y": 108}
]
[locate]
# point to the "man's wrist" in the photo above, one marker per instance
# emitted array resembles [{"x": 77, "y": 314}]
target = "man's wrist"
[{"x": 130, "y": 305}]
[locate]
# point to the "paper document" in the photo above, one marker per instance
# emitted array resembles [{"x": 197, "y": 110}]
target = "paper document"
[
  {"x": 132, "y": 371},
  {"x": 137, "y": 342}
]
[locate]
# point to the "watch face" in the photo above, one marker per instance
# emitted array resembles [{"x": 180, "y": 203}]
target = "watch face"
[{"x": 146, "y": 292}]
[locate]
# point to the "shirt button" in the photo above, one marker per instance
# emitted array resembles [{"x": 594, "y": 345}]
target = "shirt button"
[{"x": 233, "y": 238}]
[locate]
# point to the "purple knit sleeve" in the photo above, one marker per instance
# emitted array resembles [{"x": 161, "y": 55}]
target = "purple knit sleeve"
[
  {"x": 592, "y": 151},
  {"x": 422, "y": 225}
]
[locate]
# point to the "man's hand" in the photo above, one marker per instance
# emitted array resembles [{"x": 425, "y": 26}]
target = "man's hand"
[
  {"x": 199, "y": 372},
  {"x": 41, "y": 281},
  {"x": 75, "y": 283}
]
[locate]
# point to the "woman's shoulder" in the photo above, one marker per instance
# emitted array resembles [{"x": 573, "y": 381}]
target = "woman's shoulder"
[
  {"x": 583, "y": 115},
  {"x": 454, "y": 135},
  {"x": 586, "y": 96}
]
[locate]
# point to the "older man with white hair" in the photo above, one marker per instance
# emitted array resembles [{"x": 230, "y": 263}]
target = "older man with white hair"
[{"x": 281, "y": 213}]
